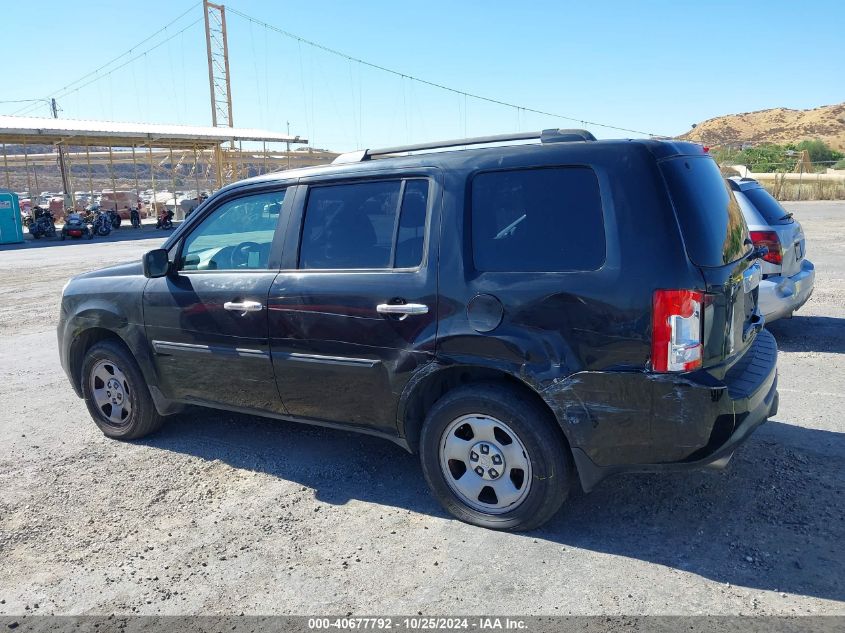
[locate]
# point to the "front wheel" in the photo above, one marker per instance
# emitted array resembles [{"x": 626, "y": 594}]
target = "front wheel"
[
  {"x": 494, "y": 458},
  {"x": 116, "y": 394}
]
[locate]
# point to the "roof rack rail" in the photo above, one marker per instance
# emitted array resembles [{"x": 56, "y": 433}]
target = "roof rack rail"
[{"x": 545, "y": 136}]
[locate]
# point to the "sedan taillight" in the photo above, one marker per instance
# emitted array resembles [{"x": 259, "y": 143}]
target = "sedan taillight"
[
  {"x": 770, "y": 240},
  {"x": 676, "y": 330}
]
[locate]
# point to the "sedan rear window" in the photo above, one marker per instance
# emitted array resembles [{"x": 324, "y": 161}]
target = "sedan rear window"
[
  {"x": 767, "y": 206},
  {"x": 715, "y": 232}
]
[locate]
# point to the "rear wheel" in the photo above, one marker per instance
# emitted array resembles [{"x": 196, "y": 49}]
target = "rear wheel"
[
  {"x": 116, "y": 393},
  {"x": 494, "y": 458}
]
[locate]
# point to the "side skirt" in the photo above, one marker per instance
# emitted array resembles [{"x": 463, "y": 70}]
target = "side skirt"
[{"x": 400, "y": 441}]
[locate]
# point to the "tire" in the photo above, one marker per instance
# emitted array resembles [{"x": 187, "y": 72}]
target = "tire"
[
  {"x": 107, "y": 361},
  {"x": 494, "y": 414}
]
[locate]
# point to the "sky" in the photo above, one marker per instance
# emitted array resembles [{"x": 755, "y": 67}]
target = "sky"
[{"x": 654, "y": 67}]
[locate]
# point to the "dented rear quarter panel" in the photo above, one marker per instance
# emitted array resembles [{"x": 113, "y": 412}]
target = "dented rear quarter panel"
[{"x": 582, "y": 339}]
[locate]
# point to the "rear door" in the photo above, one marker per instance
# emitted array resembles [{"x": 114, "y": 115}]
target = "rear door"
[
  {"x": 355, "y": 312},
  {"x": 207, "y": 320},
  {"x": 717, "y": 241}
]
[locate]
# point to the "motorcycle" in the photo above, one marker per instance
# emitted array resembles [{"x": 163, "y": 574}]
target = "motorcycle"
[
  {"x": 43, "y": 224},
  {"x": 102, "y": 223},
  {"x": 135, "y": 218},
  {"x": 75, "y": 227},
  {"x": 165, "y": 220},
  {"x": 114, "y": 218}
]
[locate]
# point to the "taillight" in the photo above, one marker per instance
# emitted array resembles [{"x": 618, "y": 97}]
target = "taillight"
[
  {"x": 676, "y": 330},
  {"x": 771, "y": 240}
]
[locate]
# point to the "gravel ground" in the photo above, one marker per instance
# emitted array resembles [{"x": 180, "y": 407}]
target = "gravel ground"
[{"x": 224, "y": 514}]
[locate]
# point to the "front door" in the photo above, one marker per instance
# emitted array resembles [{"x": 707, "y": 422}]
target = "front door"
[
  {"x": 354, "y": 313},
  {"x": 207, "y": 320}
]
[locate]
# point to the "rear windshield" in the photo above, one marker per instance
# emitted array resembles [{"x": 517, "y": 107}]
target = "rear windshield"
[
  {"x": 715, "y": 233},
  {"x": 767, "y": 206}
]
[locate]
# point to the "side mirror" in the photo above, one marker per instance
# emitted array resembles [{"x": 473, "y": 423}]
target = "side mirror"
[{"x": 156, "y": 263}]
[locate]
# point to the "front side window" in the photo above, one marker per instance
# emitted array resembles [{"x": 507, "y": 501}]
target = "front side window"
[
  {"x": 364, "y": 225},
  {"x": 235, "y": 236},
  {"x": 537, "y": 220}
]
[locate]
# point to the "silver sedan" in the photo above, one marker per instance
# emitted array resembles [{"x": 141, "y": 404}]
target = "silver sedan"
[{"x": 788, "y": 276}]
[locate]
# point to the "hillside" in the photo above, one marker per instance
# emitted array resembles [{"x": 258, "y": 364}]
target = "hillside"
[{"x": 777, "y": 125}]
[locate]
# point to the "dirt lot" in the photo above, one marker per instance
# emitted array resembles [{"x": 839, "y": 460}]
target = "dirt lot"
[{"x": 221, "y": 513}]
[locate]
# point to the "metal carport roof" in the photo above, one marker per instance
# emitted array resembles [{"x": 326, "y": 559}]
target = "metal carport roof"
[{"x": 25, "y": 130}]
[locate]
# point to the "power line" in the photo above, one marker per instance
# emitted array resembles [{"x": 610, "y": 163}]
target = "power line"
[
  {"x": 66, "y": 89},
  {"x": 431, "y": 83}
]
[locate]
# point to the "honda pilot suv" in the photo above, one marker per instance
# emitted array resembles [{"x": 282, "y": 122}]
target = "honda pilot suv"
[{"x": 525, "y": 316}]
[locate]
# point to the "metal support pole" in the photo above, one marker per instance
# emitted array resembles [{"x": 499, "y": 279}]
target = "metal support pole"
[
  {"x": 135, "y": 171},
  {"x": 197, "y": 172},
  {"x": 239, "y": 161},
  {"x": 6, "y": 168},
  {"x": 265, "y": 156},
  {"x": 153, "y": 181},
  {"x": 218, "y": 160},
  {"x": 113, "y": 182},
  {"x": 90, "y": 178},
  {"x": 65, "y": 183},
  {"x": 26, "y": 169},
  {"x": 69, "y": 164},
  {"x": 173, "y": 180},
  {"x": 35, "y": 176}
]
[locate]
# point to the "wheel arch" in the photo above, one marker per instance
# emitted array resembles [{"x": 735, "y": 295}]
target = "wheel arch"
[
  {"x": 436, "y": 380},
  {"x": 81, "y": 343}
]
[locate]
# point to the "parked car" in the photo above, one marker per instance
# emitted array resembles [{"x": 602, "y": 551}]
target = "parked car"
[
  {"x": 788, "y": 277},
  {"x": 522, "y": 316}
]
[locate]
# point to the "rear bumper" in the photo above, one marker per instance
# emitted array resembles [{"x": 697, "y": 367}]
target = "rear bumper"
[
  {"x": 675, "y": 422},
  {"x": 781, "y": 296}
]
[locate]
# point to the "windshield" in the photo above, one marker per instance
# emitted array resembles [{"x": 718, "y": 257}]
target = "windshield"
[{"x": 715, "y": 232}]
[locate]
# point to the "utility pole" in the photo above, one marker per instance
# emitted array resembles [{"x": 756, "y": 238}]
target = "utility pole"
[
  {"x": 288, "y": 144},
  {"x": 65, "y": 186}
]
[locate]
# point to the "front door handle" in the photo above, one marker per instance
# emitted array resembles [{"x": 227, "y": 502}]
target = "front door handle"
[
  {"x": 243, "y": 306},
  {"x": 402, "y": 309}
]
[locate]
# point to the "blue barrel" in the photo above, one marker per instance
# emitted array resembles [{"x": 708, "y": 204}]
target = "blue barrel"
[{"x": 11, "y": 229}]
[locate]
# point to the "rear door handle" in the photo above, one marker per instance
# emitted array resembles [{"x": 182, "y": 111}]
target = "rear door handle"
[
  {"x": 243, "y": 306},
  {"x": 402, "y": 309}
]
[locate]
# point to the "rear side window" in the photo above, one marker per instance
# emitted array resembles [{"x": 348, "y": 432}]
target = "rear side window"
[
  {"x": 537, "y": 220},
  {"x": 767, "y": 206},
  {"x": 365, "y": 225},
  {"x": 715, "y": 232}
]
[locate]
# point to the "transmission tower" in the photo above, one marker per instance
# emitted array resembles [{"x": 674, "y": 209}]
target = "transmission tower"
[{"x": 218, "y": 64}]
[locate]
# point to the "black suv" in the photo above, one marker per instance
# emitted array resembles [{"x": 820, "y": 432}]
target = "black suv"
[{"x": 520, "y": 314}]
